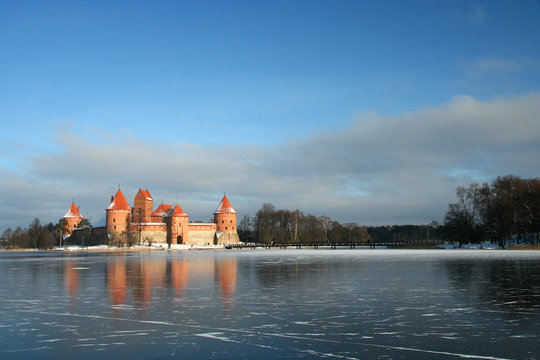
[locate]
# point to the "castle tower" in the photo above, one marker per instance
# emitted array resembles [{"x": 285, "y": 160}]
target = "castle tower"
[
  {"x": 118, "y": 213},
  {"x": 142, "y": 207},
  {"x": 177, "y": 226},
  {"x": 225, "y": 216},
  {"x": 73, "y": 218}
]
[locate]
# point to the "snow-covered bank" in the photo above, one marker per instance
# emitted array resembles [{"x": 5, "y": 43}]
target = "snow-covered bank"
[
  {"x": 153, "y": 247},
  {"x": 480, "y": 246},
  {"x": 138, "y": 248},
  {"x": 161, "y": 247}
]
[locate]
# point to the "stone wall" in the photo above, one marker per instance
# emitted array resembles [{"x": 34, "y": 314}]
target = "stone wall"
[
  {"x": 227, "y": 238},
  {"x": 155, "y": 237},
  {"x": 201, "y": 237}
]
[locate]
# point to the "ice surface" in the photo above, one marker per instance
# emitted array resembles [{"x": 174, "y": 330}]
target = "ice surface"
[{"x": 343, "y": 304}]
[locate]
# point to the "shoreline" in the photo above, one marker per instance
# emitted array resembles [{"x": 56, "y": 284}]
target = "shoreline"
[
  {"x": 164, "y": 247},
  {"x": 107, "y": 248}
]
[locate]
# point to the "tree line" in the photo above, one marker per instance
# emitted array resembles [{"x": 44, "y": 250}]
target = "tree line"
[
  {"x": 37, "y": 236},
  {"x": 285, "y": 227},
  {"x": 278, "y": 226},
  {"x": 507, "y": 209},
  {"x": 34, "y": 236}
]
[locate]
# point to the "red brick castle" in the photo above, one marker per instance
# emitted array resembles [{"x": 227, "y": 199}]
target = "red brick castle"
[{"x": 166, "y": 224}]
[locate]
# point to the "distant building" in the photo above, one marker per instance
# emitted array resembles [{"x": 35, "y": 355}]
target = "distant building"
[
  {"x": 72, "y": 218},
  {"x": 165, "y": 224}
]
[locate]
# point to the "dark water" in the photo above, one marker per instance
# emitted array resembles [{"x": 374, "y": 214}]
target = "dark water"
[{"x": 341, "y": 304}]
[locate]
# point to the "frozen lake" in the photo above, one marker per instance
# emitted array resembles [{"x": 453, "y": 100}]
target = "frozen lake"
[{"x": 271, "y": 304}]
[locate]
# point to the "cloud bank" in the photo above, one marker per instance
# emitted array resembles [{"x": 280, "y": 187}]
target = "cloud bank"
[{"x": 379, "y": 170}]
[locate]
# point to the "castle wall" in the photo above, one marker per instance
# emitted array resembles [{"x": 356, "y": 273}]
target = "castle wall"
[
  {"x": 201, "y": 237},
  {"x": 202, "y": 227},
  {"x": 154, "y": 237},
  {"x": 156, "y": 219},
  {"x": 227, "y": 238},
  {"x": 151, "y": 232}
]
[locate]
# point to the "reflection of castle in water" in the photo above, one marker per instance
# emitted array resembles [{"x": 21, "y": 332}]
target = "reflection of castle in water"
[
  {"x": 153, "y": 276},
  {"x": 71, "y": 279},
  {"x": 117, "y": 284}
]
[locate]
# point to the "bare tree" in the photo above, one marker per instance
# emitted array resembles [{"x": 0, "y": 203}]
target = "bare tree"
[
  {"x": 296, "y": 220},
  {"x": 34, "y": 230},
  {"x": 325, "y": 223},
  {"x": 265, "y": 221},
  {"x": 462, "y": 218}
]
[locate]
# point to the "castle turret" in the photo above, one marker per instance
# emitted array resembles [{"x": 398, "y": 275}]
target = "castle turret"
[
  {"x": 118, "y": 213},
  {"x": 72, "y": 218},
  {"x": 177, "y": 226},
  {"x": 225, "y": 219},
  {"x": 225, "y": 216},
  {"x": 142, "y": 207}
]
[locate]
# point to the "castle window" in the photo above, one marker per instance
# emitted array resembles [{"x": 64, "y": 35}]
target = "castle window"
[
  {"x": 222, "y": 221},
  {"x": 231, "y": 221},
  {"x": 225, "y": 228},
  {"x": 113, "y": 220},
  {"x": 115, "y": 227}
]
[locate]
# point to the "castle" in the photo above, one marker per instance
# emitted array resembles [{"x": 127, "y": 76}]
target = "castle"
[{"x": 166, "y": 224}]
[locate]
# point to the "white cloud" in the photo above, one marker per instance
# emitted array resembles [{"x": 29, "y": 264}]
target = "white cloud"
[{"x": 380, "y": 170}]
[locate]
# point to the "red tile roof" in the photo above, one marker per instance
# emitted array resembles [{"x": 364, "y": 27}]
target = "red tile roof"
[
  {"x": 73, "y": 212},
  {"x": 146, "y": 194},
  {"x": 225, "y": 207},
  {"x": 176, "y": 211},
  {"x": 161, "y": 210},
  {"x": 119, "y": 202}
]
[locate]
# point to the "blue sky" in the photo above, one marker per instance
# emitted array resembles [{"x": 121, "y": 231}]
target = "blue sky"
[{"x": 327, "y": 106}]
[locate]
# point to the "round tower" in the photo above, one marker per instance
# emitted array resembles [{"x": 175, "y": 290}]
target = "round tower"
[
  {"x": 72, "y": 218},
  {"x": 118, "y": 213},
  {"x": 225, "y": 216}
]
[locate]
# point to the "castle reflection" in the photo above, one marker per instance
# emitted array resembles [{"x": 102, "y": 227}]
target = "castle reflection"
[
  {"x": 179, "y": 276},
  {"x": 226, "y": 278},
  {"x": 117, "y": 282},
  {"x": 71, "y": 279},
  {"x": 146, "y": 279}
]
